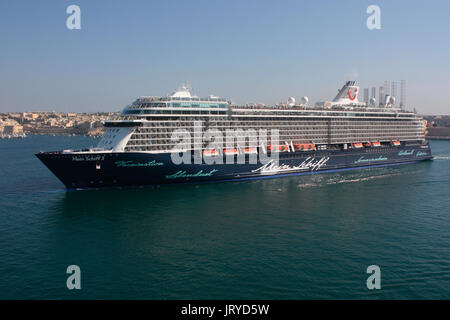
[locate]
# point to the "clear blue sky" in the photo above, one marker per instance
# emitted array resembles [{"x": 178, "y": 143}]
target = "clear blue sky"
[{"x": 249, "y": 51}]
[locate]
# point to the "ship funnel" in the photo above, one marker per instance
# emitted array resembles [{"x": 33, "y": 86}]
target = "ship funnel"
[{"x": 348, "y": 94}]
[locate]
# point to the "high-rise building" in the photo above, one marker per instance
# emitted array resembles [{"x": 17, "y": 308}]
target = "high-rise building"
[
  {"x": 387, "y": 87},
  {"x": 394, "y": 92},
  {"x": 402, "y": 92},
  {"x": 366, "y": 95},
  {"x": 381, "y": 94}
]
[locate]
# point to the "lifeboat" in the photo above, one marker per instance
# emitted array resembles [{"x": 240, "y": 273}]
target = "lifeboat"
[
  {"x": 357, "y": 145},
  {"x": 230, "y": 151},
  {"x": 396, "y": 143},
  {"x": 304, "y": 146},
  {"x": 210, "y": 152},
  {"x": 367, "y": 144},
  {"x": 281, "y": 148},
  {"x": 250, "y": 150},
  {"x": 376, "y": 144}
]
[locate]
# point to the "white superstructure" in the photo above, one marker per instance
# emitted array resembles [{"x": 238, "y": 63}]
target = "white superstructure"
[{"x": 147, "y": 124}]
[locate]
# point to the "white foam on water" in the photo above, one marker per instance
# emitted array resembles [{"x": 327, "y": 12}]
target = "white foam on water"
[
  {"x": 441, "y": 158},
  {"x": 307, "y": 185},
  {"x": 362, "y": 179},
  {"x": 354, "y": 178}
]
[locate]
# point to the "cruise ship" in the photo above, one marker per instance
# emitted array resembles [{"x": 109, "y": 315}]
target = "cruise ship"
[{"x": 160, "y": 140}]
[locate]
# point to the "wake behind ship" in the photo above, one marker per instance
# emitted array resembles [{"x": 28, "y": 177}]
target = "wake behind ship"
[{"x": 138, "y": 146}]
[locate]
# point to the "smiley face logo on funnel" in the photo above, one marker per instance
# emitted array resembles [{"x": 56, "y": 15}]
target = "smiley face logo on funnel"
[{"x": 352, "y": 93}]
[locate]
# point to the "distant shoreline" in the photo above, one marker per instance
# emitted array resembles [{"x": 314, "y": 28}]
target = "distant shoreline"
[
  {"x": 24, "y": 136},
  {"x": 52, "y": 123},
  {"x": 437, "y": 138}
]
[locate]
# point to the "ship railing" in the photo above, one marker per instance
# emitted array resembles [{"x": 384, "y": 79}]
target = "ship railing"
[
  {"x": 337, "y": 108},
  {"x": 197, "y": 99}
]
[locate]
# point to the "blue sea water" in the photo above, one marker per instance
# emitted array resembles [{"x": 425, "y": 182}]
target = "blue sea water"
[{"x": 304, "y": 237}]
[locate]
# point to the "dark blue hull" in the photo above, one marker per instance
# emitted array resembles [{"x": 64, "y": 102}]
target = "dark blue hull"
[{"x": 109, "y": 169}]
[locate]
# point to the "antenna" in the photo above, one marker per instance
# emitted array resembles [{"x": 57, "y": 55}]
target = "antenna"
[{"x": 187, "y": 85}]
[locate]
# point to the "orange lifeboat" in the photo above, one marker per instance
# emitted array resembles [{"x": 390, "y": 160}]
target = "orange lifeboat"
[
  {"x": 304, "y": 146},
  {"x": 212, "y": 152},
  {"x": 396, "y": 143},
  {"x": 367, "y": 144},
  {"x": 376, "y": 144},
  {"x": 230, "y": 151},
  {"x": 250, "y": 150},
  {"x": 281, "y": 148},
  {"x": 357, "y": 145}
]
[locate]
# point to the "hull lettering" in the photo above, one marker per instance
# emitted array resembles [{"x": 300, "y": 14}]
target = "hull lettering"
[{"x": 310, "y": 163}]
